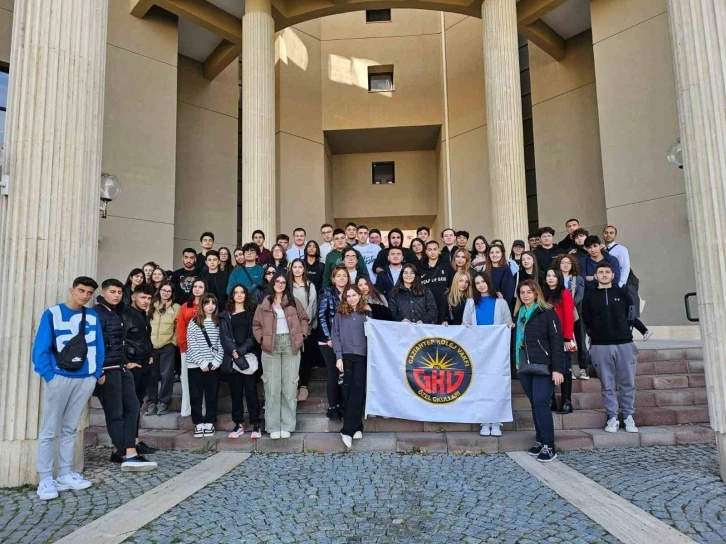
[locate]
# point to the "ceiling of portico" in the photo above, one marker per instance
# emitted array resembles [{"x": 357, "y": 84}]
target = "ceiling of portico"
[{"x": 210, "y": 31}]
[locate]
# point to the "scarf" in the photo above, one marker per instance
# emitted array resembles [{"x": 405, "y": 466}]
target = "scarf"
[{"x": 524, "y": 316}]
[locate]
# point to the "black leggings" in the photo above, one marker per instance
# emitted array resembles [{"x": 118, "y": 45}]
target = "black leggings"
[
  {"x": 354, "y": 392},
  {"x": 333, "y": 389},
  {"x": 309, "y": 356}
]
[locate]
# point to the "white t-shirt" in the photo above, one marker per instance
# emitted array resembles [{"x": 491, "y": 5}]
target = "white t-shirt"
[
  {"x": 369, "y": 252},
  {"x": 325, "y": 248},
  {"x": 395, "y": 274},
  {"x": 282, "y": 327}
]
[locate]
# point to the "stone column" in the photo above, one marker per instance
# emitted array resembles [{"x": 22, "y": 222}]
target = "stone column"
[
  {"x": 504, "y": 120},
  {"x": 49, "y": 221},
  {"x": 259, "y": 207},
  {"x": 697, "y": 31}
]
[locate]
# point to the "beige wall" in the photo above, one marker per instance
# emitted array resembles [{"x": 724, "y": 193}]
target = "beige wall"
[
  {"x": 139, "y": 140},
  {"x": 300, "y": 144},
  {"x": 414, "y": 192},
  {"x": 6, "y": 29},
  {"x": 411, "y": 43},
  {"x": 206, "y": 173},
  {"x": 567, "y": 137},
  {"x": 638, "y": 121}
]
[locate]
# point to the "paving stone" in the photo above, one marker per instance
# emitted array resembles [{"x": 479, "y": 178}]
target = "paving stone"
[
  {"x": 421, "y": 442},
  {"x": 605, "y": 440}
]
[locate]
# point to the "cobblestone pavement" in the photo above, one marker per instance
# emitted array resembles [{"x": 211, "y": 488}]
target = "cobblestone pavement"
[
  {"x": 679, "y": 485},
  {"x": 25, "y": 518},
  {"x": 381, "y": 498}
]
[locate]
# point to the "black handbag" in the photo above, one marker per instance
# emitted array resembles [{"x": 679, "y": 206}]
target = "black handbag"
[
  {"x": 531, "y": 369},
  {"x": 74, "y": 353}
]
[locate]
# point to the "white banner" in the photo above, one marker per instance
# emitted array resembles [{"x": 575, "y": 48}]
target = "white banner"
[{"x": 439, "y": 374}]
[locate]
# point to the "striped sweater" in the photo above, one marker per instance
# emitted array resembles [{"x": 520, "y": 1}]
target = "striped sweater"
[{"x": 199, "y": 354}]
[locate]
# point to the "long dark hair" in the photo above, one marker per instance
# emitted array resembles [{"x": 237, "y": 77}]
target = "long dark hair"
[
  {"x": 373, "y": 293},
  {"x": 305, "y": 280},
  {"x": 190, "y": 302},
  {"x": 288, "y": 288},
  {"x": 416, "y": 288},
  {"x": 133, "y": 272},
  {"x": 317, "y": 250},
  {"x": 491, "y": 291},
  {"x": 474, "y": 252},
  {"x": 554, "y": 296},
  {"x": 423, "y": 247},
  {"x": 201, "y": 316},
  {"x": 157, "y": 298},
  {"x": 271, "y": 259},
  {"x": 248, "y": 304},
  {"x": 229, "y": 263}
]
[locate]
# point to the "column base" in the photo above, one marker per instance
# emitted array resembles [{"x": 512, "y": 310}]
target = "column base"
[
  {"x": 721, "y": 446},
  {"x": 18, "y": 461}
]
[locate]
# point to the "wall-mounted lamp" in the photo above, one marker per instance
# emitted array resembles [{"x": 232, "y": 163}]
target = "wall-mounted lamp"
[
  {"x": 675, "y": 154},
  {"x": 110, "y": 190}
]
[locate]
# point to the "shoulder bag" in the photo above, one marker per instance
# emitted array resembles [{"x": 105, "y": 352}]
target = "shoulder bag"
[{"x": 74, "y": 353}]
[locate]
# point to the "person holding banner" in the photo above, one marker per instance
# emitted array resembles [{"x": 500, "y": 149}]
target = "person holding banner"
[
  {"x": 485, "y": 308},
  {"x": 540, "y": 353},
  {"x": 410, "y": 301},
  {"x": 459, "y": 295},
  {"x": 560, "y": 298},
  {"x": 351, "y": 349},
  {"x": 374, "y": 299}
]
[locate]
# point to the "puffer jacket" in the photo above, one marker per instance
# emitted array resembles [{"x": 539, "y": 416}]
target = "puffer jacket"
[
  {"x": 137, "y": 334},
  {"x": 186, "y": 314},
  {"x": 404, "y": 305},
  {"x": 264, "y": 324},
  {"x": 112, "y": 325},
  {"x": 543, "y": 341},
  {"x": 329, "y": 301},
  {"x": 163, "y": 325}
]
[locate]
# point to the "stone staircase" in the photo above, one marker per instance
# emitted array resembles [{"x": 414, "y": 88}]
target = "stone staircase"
[{"x": 671, "y": 408}]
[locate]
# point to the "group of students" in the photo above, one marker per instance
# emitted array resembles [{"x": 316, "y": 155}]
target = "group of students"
[{"x": 273, "y": 314}]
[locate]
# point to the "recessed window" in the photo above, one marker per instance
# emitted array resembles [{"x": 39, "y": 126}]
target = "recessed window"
[
  {"x": 384, "y": 173},
  {"x": 378, "y": 15},
  {"x": 380, "y": 78}
]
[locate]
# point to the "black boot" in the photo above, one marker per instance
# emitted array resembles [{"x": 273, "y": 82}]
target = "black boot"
[{"x": 566, "y": 389}]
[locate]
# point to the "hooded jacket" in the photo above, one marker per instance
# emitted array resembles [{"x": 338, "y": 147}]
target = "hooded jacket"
[
  {"x": 382, "y": 260},
  {"x": 606, "y": 313},
  {"x": 186, "y": 314},
  {"x": 112, "y": 325}
]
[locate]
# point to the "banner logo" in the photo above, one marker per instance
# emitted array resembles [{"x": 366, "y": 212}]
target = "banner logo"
[{"x": 438, "y": 370}]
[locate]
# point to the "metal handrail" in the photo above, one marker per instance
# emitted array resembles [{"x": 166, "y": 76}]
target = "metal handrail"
[{"x": 687, "y": 302}]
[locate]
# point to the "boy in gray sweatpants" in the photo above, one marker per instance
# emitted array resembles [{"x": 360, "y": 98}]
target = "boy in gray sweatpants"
[
  {"x": 607, "y": 312},
  {"x": 69, "y": 382}
]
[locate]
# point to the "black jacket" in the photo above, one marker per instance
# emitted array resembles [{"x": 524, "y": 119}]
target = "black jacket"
[
  {"x": 543, "y": 341},
  {"x": 567, "y": 243},
  {"x": 384, "y": 281},
  {"x": 217, "y": 285},
  {"x": 112, "y": 325},
  {"x": 437, "y": 279},
  {"x": 404, "y": 305},
  {"x": 137, "y": 335},
  {"x": 226, "y": 338},
  {"x": 546, "y": 256},
  {"x": 382, "y": 259},
  {"x": 606, "y": 313},
  {"x": 315, "y": 274}
]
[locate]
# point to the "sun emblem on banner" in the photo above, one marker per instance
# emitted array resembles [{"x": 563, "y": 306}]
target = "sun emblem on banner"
[{"x": 438, "y": 370}]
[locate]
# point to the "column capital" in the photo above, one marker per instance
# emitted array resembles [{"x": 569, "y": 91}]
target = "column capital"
[{"x": 258, "y": 6}]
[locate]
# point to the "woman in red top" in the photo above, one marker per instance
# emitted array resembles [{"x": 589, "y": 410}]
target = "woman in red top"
[
  {"x": 561, "y": 299},
  {"x": 186, "y": 314}
]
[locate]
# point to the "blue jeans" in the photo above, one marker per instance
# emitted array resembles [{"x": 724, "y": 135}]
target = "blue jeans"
[{"x": 539, "y": 390}]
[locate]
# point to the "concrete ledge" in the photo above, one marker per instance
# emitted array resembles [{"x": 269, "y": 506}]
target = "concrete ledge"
[
  {"x": 657, "y": 436},
  {"x": 294, "y": 444},
  {"x": 473, "y": 443},
  {"x": 423, "y": 442},
  {"x": 602, "y": 440},
  {"x": 694, "y": 434}
]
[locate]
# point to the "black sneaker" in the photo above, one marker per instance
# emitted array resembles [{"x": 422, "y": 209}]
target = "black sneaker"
[
  {"x": 534, "y": 450},
  {"x": 162, "y": 409},
  {"x": 144, "y": 449},
  {"x": 333, "y": 414},
  {"x": 546, "y": 455},
  {"x": 137, "y": 463},
  {"x": 340, "y": 412},
  {"x": 116, "y": 458}
]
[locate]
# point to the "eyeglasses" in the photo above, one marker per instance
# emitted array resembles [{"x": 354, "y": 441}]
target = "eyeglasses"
[
  {"x": 165, "y": 290},
  {"x": 281, "y": 282}
]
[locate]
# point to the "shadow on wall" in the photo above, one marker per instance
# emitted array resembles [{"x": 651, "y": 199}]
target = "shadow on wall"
[
  {"x": 352, "y": 71},
  {"x": 289, "y": 48}
]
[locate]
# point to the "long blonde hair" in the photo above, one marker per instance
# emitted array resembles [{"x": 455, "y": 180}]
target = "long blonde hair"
[
  {"x": 538, "y": 296},
  {"x": 455, "y": 295}
]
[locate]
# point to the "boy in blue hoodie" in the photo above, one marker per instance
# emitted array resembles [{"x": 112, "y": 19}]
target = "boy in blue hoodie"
[{"x": 66, "y": 392}]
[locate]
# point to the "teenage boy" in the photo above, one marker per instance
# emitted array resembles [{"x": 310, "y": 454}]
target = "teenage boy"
[
  {"x": 216, "y": 279},
  {"x": 248, "y": 272},
  {"x": 395, "y": 239},
  {"x": 387, "y": 278},
  {"x": 579, "y": 236},
  {"x": 437, "y": 276},
  {"x": 207, "y": 242},
  {"x": 588, "y": 265},
  {"x": 368, "y": 251},
  {"x": 568, "y": 242},
  {"x": 607, "y": 311},
  {"x": 118, "y": 393},
  {"x": 423, "y": 234},
  {"x": 258, "y": 238},
  {"x": 462, "y": 238},
  {"x": 375, "y": 237},
  {"x": 326, "y": 231},
  {"x": 335, "y": 257},
  {"x": 70, "y": 364},
  {"x": 351, "y": 231},
  {"x": 184, "y": 277},
  {"x": 297, "y": 250},
  {"x": 547, "y": 250},
  {"x": 533, "y": 241},
  {"x": 448, "y": 237},
  {"x": 283, "y": 240}
]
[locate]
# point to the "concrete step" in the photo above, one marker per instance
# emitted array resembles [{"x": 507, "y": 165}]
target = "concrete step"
[{"x": 456, "y": 442}]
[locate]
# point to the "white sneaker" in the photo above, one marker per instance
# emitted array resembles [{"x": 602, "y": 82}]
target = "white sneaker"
[
  {"x": 347, "y": 440},
  {"x": 73, "y": 481},
  {"x": 646, "y": 336},
  {"x": 199, "y": 430},
  {"x": 284, "y": 434},
  {"x": 583, "y": 374},
  {"x": 358, "y": 435},
  {"x": 630, "y": 425},
  {"x": 275, "y": 435},
  {"x": 486, "y": 429},
  {"x": 612, "y": 425},
  {"x": 496, "y": 429},
  {"x": 209, "y": 429},
  {"x": 47, "y": 490}
]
